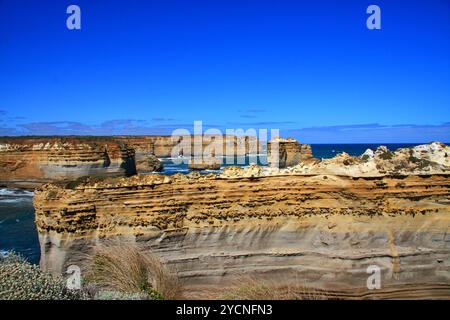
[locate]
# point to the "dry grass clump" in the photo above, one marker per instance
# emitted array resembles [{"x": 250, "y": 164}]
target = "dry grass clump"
[
  {"x": 250, "y": 288},
  {"x": 20, "y": 280},
  {"x": 125, "y": 268}
]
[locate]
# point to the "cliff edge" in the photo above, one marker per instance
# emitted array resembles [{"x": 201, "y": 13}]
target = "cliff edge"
[
  {"x": 322, "y": 228},
  {"x": 28, "y": 162}
]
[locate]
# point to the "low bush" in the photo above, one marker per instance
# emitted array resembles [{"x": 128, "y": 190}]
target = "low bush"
[{"x": 20, "y": 280}]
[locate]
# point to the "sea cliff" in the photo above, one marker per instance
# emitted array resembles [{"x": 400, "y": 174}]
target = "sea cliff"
[
  {"x": 31, "y": 161},
  {"x": 163, "y": 146},
  {"x": 321, "y": 223}
]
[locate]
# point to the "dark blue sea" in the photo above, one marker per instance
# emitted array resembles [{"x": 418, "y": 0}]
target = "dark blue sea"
[{"x": 18, "y": 231}]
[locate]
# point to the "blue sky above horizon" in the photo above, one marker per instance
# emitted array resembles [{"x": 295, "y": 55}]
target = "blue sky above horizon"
[{"x": 311, "y": 69}]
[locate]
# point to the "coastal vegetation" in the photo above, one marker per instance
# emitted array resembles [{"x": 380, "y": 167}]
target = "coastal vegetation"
[
  {"x": 20, "y": 280},
  {"x": 124, "y": 268},
  {"x": 114, "y": 272},
  {"x": 252, "y": 288}
]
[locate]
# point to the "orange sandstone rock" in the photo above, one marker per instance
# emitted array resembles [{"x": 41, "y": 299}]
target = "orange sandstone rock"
[{"x": 29, "y": 161}]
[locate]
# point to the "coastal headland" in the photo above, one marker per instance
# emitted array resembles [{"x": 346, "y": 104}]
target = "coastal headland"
[
  {"x": 27, "y": 162},
  {"x": 320, "y": 223}
]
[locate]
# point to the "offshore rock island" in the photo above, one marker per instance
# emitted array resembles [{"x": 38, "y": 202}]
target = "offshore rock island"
[{"x": 318, "y": 222}]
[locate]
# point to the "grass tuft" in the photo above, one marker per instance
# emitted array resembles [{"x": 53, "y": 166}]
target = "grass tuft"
[
  {"x": 125, "y": 268},
  {"x": 250, "y": 288}
]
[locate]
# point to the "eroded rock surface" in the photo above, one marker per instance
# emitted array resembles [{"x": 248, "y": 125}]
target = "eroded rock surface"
[
  {"x": 148, "y": 163},
  {"x": 433, "y": 158},
  {"x": 209, "y": 163},
  {"x": 289, "y": 152},
  {"x": 322, "y": 227},
  {"x": 31, "y": 161},
  {"x": 164, "y": 146}
]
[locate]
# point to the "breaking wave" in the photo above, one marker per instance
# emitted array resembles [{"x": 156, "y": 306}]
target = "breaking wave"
[{"x": 11, "y": 195}]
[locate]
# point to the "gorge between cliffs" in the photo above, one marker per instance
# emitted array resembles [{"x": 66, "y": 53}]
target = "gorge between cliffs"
[{"x": 318, "y": 223}]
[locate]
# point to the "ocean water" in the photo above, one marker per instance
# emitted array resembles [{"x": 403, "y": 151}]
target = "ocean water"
[
  {"x": 172, "y": 166},
  {"x": 18, "y": 231},
  {"x": 326, "y": 151}
]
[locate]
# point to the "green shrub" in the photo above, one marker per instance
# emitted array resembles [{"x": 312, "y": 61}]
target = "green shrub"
[
  {"x": 20, "y": 280},
  {"x": 388, "y": 155}
]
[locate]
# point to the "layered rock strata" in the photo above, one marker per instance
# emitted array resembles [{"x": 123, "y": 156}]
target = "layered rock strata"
[
  {"x": 284, "y": 153},
  {"x": 208, "y": 163},
  {"x": 27, "y": 162},
  {"x": 165, "y": 146},
  {"x": 317, "y": 229},
  {"x": 433, "y": 158},
  {"x": 148, "y": 163}
]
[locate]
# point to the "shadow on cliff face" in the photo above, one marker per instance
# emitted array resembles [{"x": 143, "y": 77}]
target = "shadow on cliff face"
[{"x": 129, "y": 166}]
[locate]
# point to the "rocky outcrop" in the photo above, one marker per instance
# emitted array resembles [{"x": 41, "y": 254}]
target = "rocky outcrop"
[
  {"x": 30, "y": 161},
  {"x": 208, "y": 163},
  {"x": 168, "y": 146},
  {"x": 148, "y": 163},
  {"x": 284, "y": 153},
  {"x": 322, "y": 229},
  {"x": 425, "y": 159}
]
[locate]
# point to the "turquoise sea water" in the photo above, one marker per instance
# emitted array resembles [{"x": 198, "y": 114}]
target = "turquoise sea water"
[{"x": 18, "y": 231}]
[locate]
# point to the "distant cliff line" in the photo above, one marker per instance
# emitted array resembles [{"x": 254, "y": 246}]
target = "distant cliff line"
[
  {"x": 31, "y": 160},
  {"x": 159, "y": 145}
]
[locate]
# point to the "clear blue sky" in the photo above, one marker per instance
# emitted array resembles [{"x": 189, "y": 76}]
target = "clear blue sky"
[{"x": 309, "y": 68}]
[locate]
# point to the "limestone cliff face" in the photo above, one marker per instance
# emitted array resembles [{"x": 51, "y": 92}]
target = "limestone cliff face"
[
  {"x": 31, "y": 161},
  {"x": 146, "y": 163},
  {"x": 162, "y": 146},
  {"x": 433, "y": 158},
  {"x": 168, "y": 146},
  {"x": 207, "y": 163},
  {"x": 321, "y": 230},
  {"x": 284, "y": 153}
]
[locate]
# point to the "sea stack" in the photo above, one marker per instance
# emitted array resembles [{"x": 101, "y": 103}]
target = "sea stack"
[
  {"x": 148, "y": 163},
  {"x": 208, "y": 163},
  {"x": 288, "y": 152}
]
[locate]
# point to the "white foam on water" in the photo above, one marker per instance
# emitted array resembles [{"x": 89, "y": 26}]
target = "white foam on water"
[
  {"x": 174, "y": 158},
  {"x": 17, "y": 200},
  {"x": 15, "y": 192},
  {"x": 7, "y": 192},
  {"x": 11, "y": 195}
]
